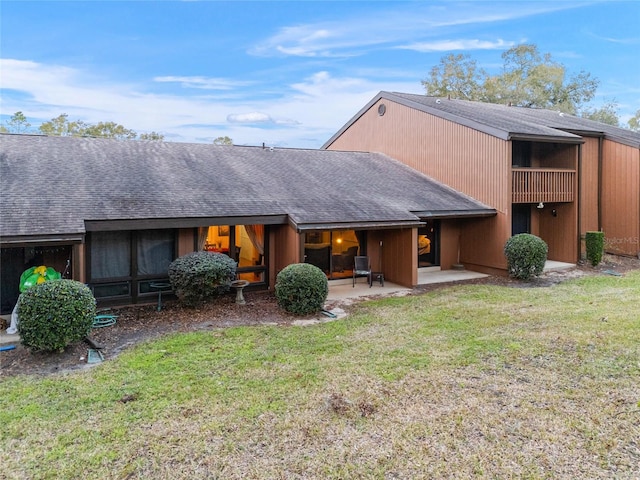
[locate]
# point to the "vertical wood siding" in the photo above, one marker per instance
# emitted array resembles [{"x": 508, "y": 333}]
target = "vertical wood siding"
[
  {"x": 589, "y": 186},
  {"x": 470, "y": 161},
  {"x": 559, "y": 231},
  {"x": 467, "y": 160},
  {"x": 396, "y": 257},
  {"x": 621, "y": 198}
]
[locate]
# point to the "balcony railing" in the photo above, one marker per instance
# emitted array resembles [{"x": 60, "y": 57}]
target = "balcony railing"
[{"x": 534, "y": 185}]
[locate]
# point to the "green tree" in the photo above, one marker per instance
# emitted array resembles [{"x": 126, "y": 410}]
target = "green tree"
[
  {"x": 457, "y": 75},
  {"x": 60, "y": 126},
  {"x": 154, "y": 136},
  {"x": 223, "y": 141},
  {"x": 634, "y": 122},
  {"x": 109, "y": 130},
  {"x": 16, "y": 124},
  {"x": 608, "y": 114},
  {"x": 528, "y": 79}
]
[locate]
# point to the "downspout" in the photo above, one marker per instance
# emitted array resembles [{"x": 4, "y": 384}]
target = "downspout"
[
  {"x": 579, "y": 199},
  {"x": 600, "y": 166}
]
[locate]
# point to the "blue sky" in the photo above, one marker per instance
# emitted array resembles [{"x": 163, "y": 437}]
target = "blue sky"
[{"x": 284, "y": 73}]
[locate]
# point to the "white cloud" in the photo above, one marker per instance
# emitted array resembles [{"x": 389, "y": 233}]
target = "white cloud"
[
  {"x": 304, "y": 114},
  {"x": 403, "y": 23},
  {"x": 253, "y": 117},
  {"x": 206, "y": 83},
  {"x": 461, "y": 44}
]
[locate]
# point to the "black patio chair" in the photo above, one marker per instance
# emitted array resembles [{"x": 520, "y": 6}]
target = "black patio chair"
[{"x": 361, "y": 268}]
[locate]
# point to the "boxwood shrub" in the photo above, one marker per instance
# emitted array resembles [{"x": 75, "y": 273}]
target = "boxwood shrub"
[
  {"x": 526, "y": 255},
  {"x": 595, "y": 247},
  {"x": 55, "y": 314},
  {"x": 301, "y": 288},
  {"x": 200, "y": 276}
]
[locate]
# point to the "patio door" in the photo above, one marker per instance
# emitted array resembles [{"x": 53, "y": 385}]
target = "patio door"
[
  {"x": 520, "y": 218},
  {"x": 333, "y": 251},
  {"x": 429, "y": 244}
]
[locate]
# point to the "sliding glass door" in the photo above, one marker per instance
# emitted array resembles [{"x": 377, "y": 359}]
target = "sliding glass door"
[{"x": 333, "y": 251}]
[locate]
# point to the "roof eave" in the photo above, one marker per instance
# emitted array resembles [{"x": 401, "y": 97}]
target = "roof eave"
[
  {"x": 9, "y": 241},
  {"x": 310, "y": 227},
  {"x": 576, "y": 140},
  {"x": 444, "y": 214}
]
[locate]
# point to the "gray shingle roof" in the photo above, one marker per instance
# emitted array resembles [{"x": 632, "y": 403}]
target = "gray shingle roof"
[
  {"x": 52, "y": 185},
  {"x": 506, "y": 122}
]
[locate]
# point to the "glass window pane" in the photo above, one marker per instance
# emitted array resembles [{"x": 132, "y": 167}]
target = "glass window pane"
[
  {"x": 155, "y": 251},
  {"x": 110, "y": 255},
  {"x": 111, "y": 290},
  {"x": 250, "y": 245}
]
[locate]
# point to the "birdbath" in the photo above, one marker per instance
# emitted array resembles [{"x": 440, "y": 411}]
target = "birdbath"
[{"x": 239, "y": 285}]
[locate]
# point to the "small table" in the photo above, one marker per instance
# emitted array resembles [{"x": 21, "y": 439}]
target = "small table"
[
  {"x": 379, "y": 276},
  {"x": 160, "y": 286}
]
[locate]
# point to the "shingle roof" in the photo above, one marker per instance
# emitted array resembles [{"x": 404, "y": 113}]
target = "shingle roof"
[
  {"x": 52, "y": 185},
  {"x": 505, "y": 122}
]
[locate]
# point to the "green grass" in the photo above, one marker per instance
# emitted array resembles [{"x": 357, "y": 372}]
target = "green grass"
[{"x": 464, "y": 382}]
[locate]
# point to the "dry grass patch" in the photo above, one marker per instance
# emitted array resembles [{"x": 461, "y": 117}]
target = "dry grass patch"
[{"x": 467, "y": 382}]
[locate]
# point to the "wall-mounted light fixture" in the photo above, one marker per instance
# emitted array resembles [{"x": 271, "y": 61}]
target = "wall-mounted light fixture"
[
  {"x": 540, "y": 206},
  {"x": 554, "y": 212}
]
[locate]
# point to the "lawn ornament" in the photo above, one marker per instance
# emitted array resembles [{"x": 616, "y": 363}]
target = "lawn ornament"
[{"x": 29, "y": 278}]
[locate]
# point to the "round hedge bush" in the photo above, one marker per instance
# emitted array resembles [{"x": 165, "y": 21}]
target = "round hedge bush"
[
  {"x": 200, "y": 276},
  {"x": 526, "y": 255},
  {"x": 55, "y": 314},
  {"x": 301, "y": 288}
]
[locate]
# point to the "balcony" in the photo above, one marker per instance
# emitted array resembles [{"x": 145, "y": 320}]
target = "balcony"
[{"x": 534, "y": 185}]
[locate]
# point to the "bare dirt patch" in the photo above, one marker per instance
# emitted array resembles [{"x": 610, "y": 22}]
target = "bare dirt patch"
[{"x": 141, "y": 323}]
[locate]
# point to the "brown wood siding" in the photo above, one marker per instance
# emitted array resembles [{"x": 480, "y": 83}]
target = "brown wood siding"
[
  {"x": 186, "y": 241},
  {"x": 285, "y": 246},
  {"x": 589, "y": 186},
  {"x": 621, "y": 198},
  {"x": 398, "y": 256},
  {"x": 470, "y": 161},
  {"x": 449, "y": 243},
  {"x": 79, "y": 257},
  {"x": 467, "y": 160},
  {"x": 482, "y": 242},
  {"x": 559, "y": 231}
]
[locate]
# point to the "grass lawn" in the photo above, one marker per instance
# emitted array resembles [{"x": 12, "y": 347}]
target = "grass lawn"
[{"x": 465, "y": 382}]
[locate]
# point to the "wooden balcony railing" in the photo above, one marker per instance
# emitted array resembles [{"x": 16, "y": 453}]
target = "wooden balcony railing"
[{"x": 534, "y": 185}]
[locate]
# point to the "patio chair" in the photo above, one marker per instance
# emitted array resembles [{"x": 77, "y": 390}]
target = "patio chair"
[{"x": 362, "y": 268}]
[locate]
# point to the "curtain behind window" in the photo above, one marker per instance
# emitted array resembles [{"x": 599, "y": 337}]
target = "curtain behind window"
[
  {"x": 110, "y": 255},
  {"x": 155, "y": 251},
  {"x": 256, "y": 235}
]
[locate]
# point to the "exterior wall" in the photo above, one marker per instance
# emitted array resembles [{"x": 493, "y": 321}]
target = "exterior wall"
[
  {"x": 450, "y": 232},
  {"x": 286, "y": 246},
  {"x": 186, "y": 241},
  {"x": 79, "y": 262},
  {"x": 621, "y": 198},
  {"x": 467, "y": 160},
  {"x": 560, "y": 231},
  {"x": 482, "y": 242},
  {"x": 397, "y": 256},
  {"x": 589, "y": 204}
]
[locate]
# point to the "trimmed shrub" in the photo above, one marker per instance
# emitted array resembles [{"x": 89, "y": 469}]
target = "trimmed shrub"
[
  {"x": 200, "y": 276},
  {"x": 595, "y": 247},
  {"x": 301, "y": 288},
  {"x": 55, "y": 314},
  {"x": 526, "y": 255}
]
